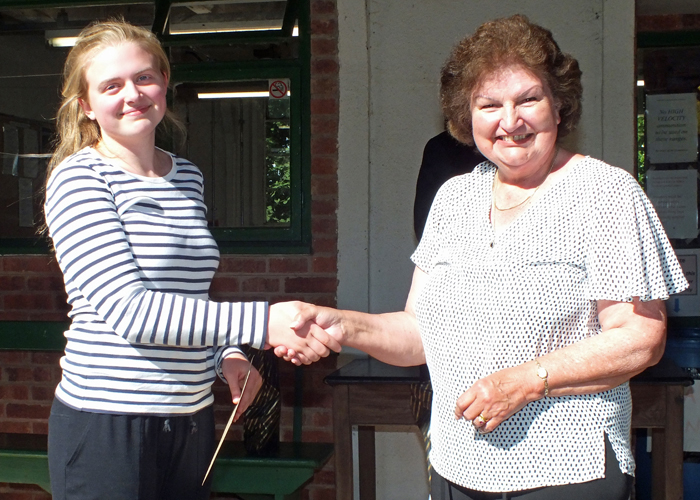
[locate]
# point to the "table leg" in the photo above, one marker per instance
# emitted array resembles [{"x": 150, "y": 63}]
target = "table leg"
[
  {"x": 673, "y": 443},
  {"x": 343, "y": 443},
  {"x": 366, "y": 453}
]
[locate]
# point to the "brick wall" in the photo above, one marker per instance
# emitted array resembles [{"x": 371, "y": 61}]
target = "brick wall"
[
  {"x": 31, "y": 288},
  {"x": 668, "y": 22}
]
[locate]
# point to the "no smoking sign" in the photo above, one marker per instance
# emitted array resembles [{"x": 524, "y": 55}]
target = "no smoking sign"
[{"x": 279, "y": 88}]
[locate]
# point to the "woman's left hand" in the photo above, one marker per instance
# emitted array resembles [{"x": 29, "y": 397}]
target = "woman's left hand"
[
  {"x": 235, "y": 368},
  {"x": 632, "y": 338},
  {"x": 493, "y": 399}
]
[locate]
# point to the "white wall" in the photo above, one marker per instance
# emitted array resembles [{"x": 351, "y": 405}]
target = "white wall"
[{"x": 390, "y": 55}]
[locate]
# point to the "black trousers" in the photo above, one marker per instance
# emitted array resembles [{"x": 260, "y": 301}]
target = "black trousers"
[
  {"x": 616, "y": 485},
  {"x": 129, "y": 457}
]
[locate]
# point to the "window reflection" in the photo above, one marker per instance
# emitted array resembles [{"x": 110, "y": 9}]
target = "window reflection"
[{"x": 242, "y": 144}]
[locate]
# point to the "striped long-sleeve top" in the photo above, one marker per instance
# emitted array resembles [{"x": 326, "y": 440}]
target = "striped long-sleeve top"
[{"x": 137, "y": 261}]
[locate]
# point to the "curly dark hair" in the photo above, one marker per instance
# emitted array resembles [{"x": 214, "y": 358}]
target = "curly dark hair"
[{"x": 503, "y": 42}]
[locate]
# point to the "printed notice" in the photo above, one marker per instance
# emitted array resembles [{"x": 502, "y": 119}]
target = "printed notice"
[
  {"x": 672, "y": 128},
  {"x": 686, "y": 303},
  {"x": 674, "y": 194}
]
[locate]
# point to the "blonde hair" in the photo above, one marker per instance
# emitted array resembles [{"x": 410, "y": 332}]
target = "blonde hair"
[{"x": 75, "y": 130}]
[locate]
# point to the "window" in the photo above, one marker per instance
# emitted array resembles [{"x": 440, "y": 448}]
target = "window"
[
  {"x": 240, "y": 85},
  {"x": 668, "y": 64}
]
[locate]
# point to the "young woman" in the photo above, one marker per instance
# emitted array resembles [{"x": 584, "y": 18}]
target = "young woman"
[{"x": 132, "y": 416}]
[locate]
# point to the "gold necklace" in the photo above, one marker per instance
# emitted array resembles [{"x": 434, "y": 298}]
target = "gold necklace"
[{"x": 493, "y": 187}]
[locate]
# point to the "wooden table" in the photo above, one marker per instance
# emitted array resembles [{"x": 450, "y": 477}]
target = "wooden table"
[{"x": 367, "y": 393}]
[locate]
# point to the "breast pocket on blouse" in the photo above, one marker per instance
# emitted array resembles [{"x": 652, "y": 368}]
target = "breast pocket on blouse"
[{"x": 140, "y": 205}]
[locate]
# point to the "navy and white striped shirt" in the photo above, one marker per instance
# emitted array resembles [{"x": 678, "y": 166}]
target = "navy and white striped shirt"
[{"x": 137, "y": 261}]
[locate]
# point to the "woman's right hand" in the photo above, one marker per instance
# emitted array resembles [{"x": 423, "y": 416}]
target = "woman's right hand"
[
  {"x": 295, "y": 335},
  {"x": 323, "y": 323}
]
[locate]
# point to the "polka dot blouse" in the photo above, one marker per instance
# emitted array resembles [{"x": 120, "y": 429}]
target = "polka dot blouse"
[{"x": 492, "y": 302}]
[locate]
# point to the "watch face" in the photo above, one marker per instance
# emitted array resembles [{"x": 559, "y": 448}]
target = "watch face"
[{"x": 541, "y": 372}]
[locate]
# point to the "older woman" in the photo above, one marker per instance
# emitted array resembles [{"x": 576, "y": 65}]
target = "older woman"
[{"x": 538, "y": 288}]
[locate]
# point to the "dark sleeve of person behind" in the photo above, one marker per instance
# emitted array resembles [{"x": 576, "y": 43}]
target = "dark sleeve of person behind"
[{"x": 443, "y": 158}]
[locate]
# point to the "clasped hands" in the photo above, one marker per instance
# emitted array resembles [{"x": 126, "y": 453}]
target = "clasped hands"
[{"x": 303, "y": 333}]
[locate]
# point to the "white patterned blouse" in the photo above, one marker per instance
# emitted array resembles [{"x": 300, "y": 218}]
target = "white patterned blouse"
[{"x": 495, "y": 302}]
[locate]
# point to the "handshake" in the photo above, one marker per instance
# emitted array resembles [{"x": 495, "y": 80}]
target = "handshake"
[{"x": 303, "y": 333}]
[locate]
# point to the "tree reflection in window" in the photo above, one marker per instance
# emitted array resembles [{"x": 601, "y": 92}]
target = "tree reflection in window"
[{"x": 278, "y": 209}]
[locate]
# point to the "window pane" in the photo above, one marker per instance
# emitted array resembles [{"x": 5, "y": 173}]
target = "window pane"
[
  {"x": 30, "y": 82},
  {"x": 68, "y": 21},
  {"x": 239, "y": 136},
  {"x": 29, "y": 88},
  {"x": 225, "y": 16}
]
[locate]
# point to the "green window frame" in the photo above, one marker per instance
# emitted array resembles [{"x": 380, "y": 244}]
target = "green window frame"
[{"x": 294, "y": 238}]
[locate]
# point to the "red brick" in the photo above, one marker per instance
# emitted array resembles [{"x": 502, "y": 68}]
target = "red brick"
[
  {"x": 324, "y": 66},
  {"x": 323, "y": 47},
  {"x": 14, "y": 392},
  {"x": 669, "y": 22},
  {"x": 27, "y": 411},
  {"x": 325, "y": 126},
  {"x": 324, "y": 165},
  {"x": 324, "y": 145},
  {"x": 49, "y": 315},
  {"x": 327, "y": 206},
  {"x": 46, "y": 358},
  {"x": 41, "y": 427},
  {"x": 14, "y": 426},
  {"x": 46, "y": 283},
  {"x": 317, "y": 436},
  {"x": 321, "y": 493},
  {"x": 320, "y": 7},
  {"x": 324, "y": 185},
  {"x": 324, "y": 106},
  {"x": 325, "y": 300},
  {"x": 222, "y": 284},
  {"x": 42, "y": 374},
  {"x": 29, "y": 302},
  {"x": 327, "y": 474},
  {"x": 325, "y": 264},
  {"x": 43, "y": 393},
  {"x": 324, "y": 85},
  {"x": 242, "y": 265},
  {"x": 260, "y": 285},
  {"x": 12, "y": 283},
  {"x": 14, "y": 357},
  {"x": 16, "y": 374},
  {"x": 30, "y": 264},
  {"x": 323, "y": 244},
  {"x": 318, "y": 417},
  {"x": 310, "y": 285},
  {"x": 324, "y": 225},
  {"x": 289, "y": 265},
  {"x": 690, "y": 21},
  {"x": 323, "y": 27},
  {"x": 61, "y": 303}
]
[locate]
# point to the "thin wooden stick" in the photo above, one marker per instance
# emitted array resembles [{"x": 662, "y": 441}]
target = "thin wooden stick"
[{"x": 228, "y": 425}]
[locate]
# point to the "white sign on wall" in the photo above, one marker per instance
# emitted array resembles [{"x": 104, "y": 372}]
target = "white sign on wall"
[
  {"x": 672, "y": 128},
  {"x": 674, "y": 194},
  {"x": 686, "y": 303}
]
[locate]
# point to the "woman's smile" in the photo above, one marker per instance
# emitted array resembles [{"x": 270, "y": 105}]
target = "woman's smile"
[
  {"x": 514, "y": 121},
  {"x": 126, "y": 92}
]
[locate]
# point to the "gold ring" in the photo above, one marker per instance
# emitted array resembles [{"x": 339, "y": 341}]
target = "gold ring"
[{"x": 481, "y": 418}]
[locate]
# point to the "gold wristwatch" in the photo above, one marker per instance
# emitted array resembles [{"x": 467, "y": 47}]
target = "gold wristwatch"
[{"x": 543, "y": 374}]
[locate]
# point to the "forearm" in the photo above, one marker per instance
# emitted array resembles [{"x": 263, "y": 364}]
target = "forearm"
[
  {"x": 601, "y": 362},
  {"x": 391, "y": 337}
]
